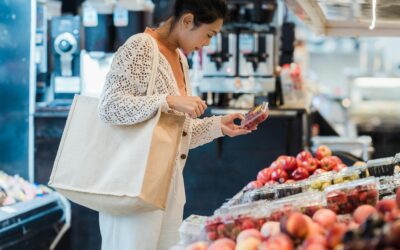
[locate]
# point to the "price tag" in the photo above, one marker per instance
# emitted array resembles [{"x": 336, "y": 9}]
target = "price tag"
[
  {"x": 120, "y": 17},
  {"x": 89, "y": 15}
]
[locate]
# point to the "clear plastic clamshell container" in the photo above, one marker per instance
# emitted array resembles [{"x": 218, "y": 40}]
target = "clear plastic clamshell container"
[
  {"x": 255, "y": 116},
  {"x": 346, "y": 175},
  {"x": 192, "y": 229},
  {"x": 381, "y": 167},
  {"x": 320, "y": 182},
  {"x": 346, "y": 197},
  {"x": 237, "y": 219},
  {"x": 288, "y": 189},
  {"x": 264, "y": 193},
  {"x": 363, "y": 170}
]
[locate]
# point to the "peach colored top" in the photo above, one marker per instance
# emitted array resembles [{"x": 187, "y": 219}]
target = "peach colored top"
[{"x": 172, "y": 55}]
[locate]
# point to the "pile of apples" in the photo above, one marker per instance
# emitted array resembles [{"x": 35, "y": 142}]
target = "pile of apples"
[
  {"x": 286, "y": 169},
  {"x": 369, "y": 227}
]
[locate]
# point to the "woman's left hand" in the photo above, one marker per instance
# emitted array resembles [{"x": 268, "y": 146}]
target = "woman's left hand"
[{"x": 229, "y": 128}]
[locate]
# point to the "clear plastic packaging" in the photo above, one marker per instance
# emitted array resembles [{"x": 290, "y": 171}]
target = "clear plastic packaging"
[
  {"x": 288, "y": 189},
  {"x": 321, "y": 181},
  {"x": 264, "y": 193},
  {"x": 308, "y": 202},
  {"x": 381, "y": 167},
  {"x": 280, "y": 208},
  {"x": 385, "y": 190},
  {"x": 238, "y": 218},
  {"x": 255, "y": 116},
  {"x": 346, "y": 175},
  {"x": 363, "y": 170},
  {"x": 346, "y": 197},
  {"x": 192, "y": 229},
  {"x": 397, "y": 159}
]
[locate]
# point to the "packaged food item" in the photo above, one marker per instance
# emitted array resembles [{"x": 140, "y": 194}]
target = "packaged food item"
[
  {"x": 235, "y": 200},
  {"x": 238, "y": 218},
  {"x": 385, "y": 190},
  {"x": 280, "y": 208},
  {"x": 381, "y": 167},
  {"x": 397, "y": 159},
  {"x": 192, "y": 229},
  {"x": 288, "y": 189},
  {"x": 308, "y": 202},
  {"x": 346, "y": 175},
  {"x": 363, "y": 170},
  {"x": 264, "y": 193},
  {"x": 321, "y": 181},
  {"x": 255, "y": 116},
  {"x": 346, "y": 197}
]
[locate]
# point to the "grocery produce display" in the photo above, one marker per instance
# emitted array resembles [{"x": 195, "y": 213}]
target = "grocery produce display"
[
  {"x": 333, "y": 207},
  {"x": 15, "y": 189},
  {"x": 290, "y": 169},
  {"x": 255, "y": 116},
  {"x": 368, "y": 227}
]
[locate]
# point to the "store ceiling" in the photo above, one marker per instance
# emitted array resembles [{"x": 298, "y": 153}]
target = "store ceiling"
[{"x": 348, "y": 17}]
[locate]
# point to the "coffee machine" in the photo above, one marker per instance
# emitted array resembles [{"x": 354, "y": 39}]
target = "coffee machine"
[
  {"x": 220, "y": 56},
  {"x": 65, "y": 49},
  {"x": 256, "y": 51},
  {"x": 106, "y": 27},
  {"x": 241, "y": 59}
]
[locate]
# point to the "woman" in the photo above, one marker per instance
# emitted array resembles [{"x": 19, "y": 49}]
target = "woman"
[{"x": 124, "y": 101}]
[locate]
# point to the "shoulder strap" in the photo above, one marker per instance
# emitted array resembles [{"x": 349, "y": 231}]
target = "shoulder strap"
[{"x": 151, "y": 88}]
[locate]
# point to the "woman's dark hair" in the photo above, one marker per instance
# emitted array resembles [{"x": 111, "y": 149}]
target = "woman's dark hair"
[{"x": 204, "y": 11}]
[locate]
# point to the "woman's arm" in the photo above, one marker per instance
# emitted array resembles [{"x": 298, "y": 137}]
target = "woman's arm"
[
  {"x": 124, "y": 100},
  {"x": 205, "y": 130}
]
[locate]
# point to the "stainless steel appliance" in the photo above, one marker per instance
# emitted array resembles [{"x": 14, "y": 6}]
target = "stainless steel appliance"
[
  {"x": 219, "y": 58},
  {"x": 65, "y": 42},
  {"x": 256, "y": 51}
]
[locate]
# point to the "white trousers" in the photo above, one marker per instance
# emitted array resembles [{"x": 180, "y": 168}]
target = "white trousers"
[{"x": 157, "y": 230}]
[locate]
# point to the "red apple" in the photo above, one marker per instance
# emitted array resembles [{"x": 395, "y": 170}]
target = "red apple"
[
  {"x": 254, "y": 185},
  {"x": 300, "y": 174},
  {"x": 337, "y": 159},
  {"x": 224, "y": 243},
  {"x": 328, "y": 163},
  {"x": 363, "y": 212},
  {"x": 271, "y": 182},
  {"x": 319, "y": 171},
  {"x": 322, "y": 152},
  {"x": 304, "y": 155},
  {"x": 264, "y": 175},
  {"x": 277, "y": 164},
  {"x": 295, "y": 225},
  {"x": 279, "y": 241},
  {"x": 279, "y": 175},
  {"x": 288, "y": 163},
  {"x": 311, "y": 164},
  {"x": 398, "y": 197},
  {"x": 325, "y": 218},
  {"x": 339, "y": 167}
]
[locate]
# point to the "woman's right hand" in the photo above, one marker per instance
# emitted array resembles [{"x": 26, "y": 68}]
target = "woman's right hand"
[{"x": 191, "y": 105}]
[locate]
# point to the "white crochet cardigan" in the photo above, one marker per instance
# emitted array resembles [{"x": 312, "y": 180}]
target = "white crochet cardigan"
[{"x": 124, "y": 100}]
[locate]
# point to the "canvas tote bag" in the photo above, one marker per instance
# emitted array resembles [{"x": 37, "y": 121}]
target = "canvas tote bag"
[{"x": 117, "y": 169}]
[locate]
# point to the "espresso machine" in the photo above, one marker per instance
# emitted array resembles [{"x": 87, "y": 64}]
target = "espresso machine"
[
  {"x": 106, "y": 26},
  {"x": 240, "y": 61},
  {"x": 65, "y": 48}
]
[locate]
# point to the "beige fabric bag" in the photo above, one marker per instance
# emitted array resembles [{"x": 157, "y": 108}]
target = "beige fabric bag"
[{"x": 117, "y": 169}]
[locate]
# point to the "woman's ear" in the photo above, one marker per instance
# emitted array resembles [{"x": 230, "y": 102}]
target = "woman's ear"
[{"x": 188, "y": 21}]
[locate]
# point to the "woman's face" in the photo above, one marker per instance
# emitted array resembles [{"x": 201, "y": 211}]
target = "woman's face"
[{"x": 191, "y": 38}]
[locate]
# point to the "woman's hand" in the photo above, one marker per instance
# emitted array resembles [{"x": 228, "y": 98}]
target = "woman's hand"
[
  {"x": 230, "y": 129},
  {"x": 191, "y": 105}
]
